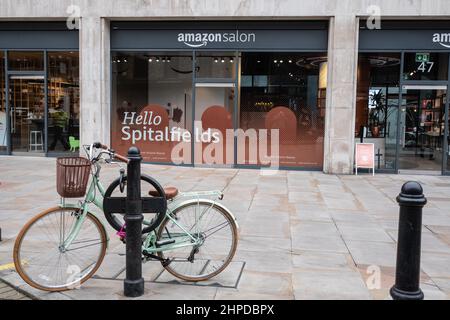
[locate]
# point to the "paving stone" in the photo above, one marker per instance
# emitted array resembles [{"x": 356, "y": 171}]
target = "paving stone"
[{"x": 329, "y": 285}]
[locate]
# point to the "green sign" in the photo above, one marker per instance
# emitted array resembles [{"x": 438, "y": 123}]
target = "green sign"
[{"x": 422, "y": 57}]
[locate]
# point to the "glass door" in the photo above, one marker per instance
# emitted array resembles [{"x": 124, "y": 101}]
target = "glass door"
[
  {"x": 215, "y": 102},
  {"x": 422, "y": 128},
  {"x": 27, "y": 112},
  {"x": 214, "y": 123}
]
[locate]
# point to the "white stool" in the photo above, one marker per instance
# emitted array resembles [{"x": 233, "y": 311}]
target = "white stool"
[{"x": 36, "y": 141}]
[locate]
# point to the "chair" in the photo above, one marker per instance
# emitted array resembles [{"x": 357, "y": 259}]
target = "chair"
[
  {"x": 74, "y": 143},
  {"x": 36, "y": 141}
]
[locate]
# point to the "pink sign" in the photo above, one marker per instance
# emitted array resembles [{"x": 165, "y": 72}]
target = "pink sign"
[{"x": 365, "y": 156}]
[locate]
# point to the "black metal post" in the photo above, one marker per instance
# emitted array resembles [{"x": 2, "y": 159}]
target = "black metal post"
[
  {"x": 134, "y": 283},
  {"x": 407, "y": 275}
]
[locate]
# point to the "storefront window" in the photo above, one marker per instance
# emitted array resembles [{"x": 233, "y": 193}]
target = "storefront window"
[
  {"x": 425, "y": 66},
  {"x": 152, "y": 104},
  {"x": 3, "y": 135},
  {"x": 26, "y": 60},
  {"x": 63, "y": 101},
  {"x": 284, "y": 92},
  {"x": 377, "y": 105}
]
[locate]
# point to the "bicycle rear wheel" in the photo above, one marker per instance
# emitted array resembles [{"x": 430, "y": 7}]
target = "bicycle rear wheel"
[
  {"x": 208, "y": 222},
  {"x": 40, "y": 260}
]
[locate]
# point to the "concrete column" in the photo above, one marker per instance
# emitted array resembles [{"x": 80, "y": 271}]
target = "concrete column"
[
  {"x": 94, "y": 80},
  {"x": 341, "y": 95}
]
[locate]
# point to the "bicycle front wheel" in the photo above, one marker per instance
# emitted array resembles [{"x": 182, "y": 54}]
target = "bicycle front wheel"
[
  {"x": 216, "y": 238},
  {"x": 42, "y": 261}
]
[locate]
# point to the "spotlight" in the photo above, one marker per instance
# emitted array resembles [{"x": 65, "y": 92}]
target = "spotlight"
[
  {"x": 157, "y": 59},
  {"x": 223, "y": 60},
  {"x": 125, "y": 60},
  {"x": 150, "y": 60},
  {"x": 168, "y": 59},
  {"x": 164, "y": 60},
  {"x": 275, "y": 61},
  {"x": 259, "y": 61},
  {"x": 290, "y": 61},
  {"x": 231, "y": 60},
  {"x": 281, "y": 61},
  {"x": 216, "y": 60},
  {"x": 118, "y": 60}
]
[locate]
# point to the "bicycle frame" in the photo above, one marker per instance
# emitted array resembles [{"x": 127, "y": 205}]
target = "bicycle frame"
[
  {"x": 186, "y": 240},
  {"x": 91, "y": 197}
]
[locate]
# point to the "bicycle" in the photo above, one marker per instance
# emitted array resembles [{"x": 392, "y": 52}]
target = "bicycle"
[{"x": 59, "y": 249}]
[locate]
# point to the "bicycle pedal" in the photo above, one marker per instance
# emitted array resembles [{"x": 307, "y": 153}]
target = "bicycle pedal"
[{"x": 164, "y": 242}]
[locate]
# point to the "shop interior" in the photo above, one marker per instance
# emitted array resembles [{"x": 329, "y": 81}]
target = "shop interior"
[
  {"x": 226, "y": 90},
  {"x": 37, "y": 124}
]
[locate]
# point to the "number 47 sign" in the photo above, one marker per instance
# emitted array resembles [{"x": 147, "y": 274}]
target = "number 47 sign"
[{"x": 425, "y": 65}]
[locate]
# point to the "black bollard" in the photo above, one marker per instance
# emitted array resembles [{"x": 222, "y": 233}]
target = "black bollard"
[
  {"x": 407, "y": 274},
  {"x": 134, "y": 283}
]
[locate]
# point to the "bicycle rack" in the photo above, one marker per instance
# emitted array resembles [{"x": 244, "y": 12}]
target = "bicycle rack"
[{"x": 133, "y": 206}]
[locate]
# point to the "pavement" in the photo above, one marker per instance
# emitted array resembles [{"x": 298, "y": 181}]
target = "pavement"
[{"x": 303, "y": 235}]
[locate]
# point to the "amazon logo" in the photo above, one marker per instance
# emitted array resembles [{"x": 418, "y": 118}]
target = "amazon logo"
[
  {"x": 442, "y": 38},
  {"x": 201, "y": 39}
]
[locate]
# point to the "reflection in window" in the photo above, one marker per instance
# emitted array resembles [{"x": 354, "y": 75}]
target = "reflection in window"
[
  {"x": 63, "y": 101},
  {"x": 377, "y": 105},
  {"x": 158, "y": 87},
  {"x": 26, "y": 60},
  {"x": 285, "y": 91},
  {"x": 216, "y": 65}
]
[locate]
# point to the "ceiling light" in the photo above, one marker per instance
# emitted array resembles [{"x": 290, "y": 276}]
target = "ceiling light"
[
  {"x": 275, "y": 61},
  {"x": 216, "y": 60},
  {"x": 281, "y": 61},
  {"x": 168, "y": 59},
  {"x": 150, "y": 60},
  {"x": 157, "y": 59},
  {"x": 259, "y": 61},
  {"x": 231, "y": 60},
  {"x": 290, "y": 61},
  {"x": 223, "y": 60}
]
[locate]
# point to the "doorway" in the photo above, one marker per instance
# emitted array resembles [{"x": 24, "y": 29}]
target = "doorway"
[
  {"x": 422, "y": 128},
  {"x": 27, "y": 105}
]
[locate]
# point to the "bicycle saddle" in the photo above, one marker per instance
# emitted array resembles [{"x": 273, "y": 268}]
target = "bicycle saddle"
[{"x": 171, "y": 192}]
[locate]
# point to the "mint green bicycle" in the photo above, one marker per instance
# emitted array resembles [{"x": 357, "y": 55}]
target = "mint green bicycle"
[{"x": 62, "y": 247}]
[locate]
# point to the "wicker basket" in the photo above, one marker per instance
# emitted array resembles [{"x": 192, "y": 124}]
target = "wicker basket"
[{"x": 72, "y": 176}]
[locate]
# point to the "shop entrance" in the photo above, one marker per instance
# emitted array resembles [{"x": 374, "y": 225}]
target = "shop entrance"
[
  {"x": 27, "y": 113},
  {"x": 422, "y": 128}
]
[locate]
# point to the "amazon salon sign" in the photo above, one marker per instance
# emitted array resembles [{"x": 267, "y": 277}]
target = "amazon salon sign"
[{"x": 219, "y": 35}]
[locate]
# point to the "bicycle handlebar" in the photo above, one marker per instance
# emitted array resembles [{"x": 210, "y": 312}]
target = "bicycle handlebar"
[{"x": 115, "y": 155}]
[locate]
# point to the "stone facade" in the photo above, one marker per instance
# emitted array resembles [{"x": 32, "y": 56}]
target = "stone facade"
[{"x": 342, "y": 50}]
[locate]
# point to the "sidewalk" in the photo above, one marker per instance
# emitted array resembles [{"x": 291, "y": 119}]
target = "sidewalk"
[{"x": 303, "y": 235}]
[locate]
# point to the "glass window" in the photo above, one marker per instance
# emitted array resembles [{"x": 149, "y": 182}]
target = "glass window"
[
  {"x": 26, "y": 60},
  {"x": 3, "y": 134},
  {"x": 216, "y": 65},
  {"x": 377, "y": 105},
  {"x": 152, "y": 104},
  {"x": 282, "y": 94},
  {"x": 425, "y": 66},
  {"x": 63, "y": 101}
]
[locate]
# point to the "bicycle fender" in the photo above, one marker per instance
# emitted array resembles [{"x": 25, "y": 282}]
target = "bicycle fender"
[{"x": 193, "y": 201}]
